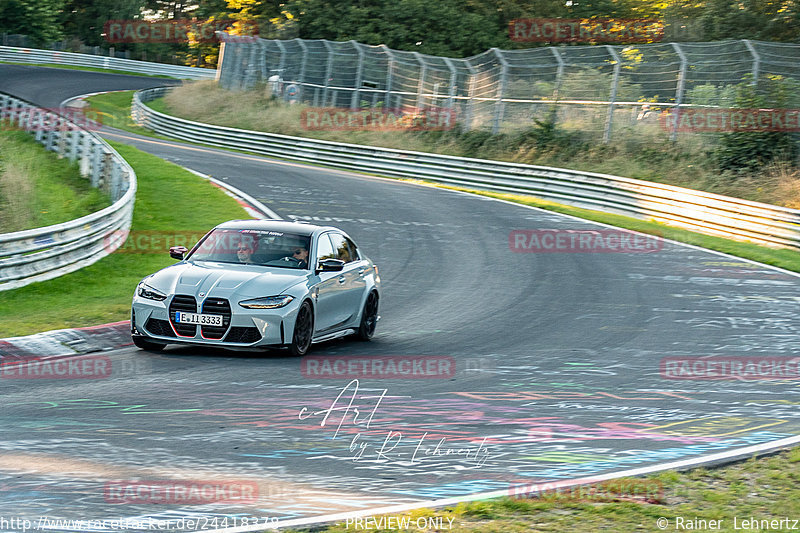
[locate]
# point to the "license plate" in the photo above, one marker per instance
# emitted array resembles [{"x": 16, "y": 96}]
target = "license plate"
[{"x": 196, "y": 318}]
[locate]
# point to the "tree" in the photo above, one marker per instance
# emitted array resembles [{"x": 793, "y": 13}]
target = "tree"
[
  {"x": 38, "y": 19},
  {"x": 84, "y": 19}
]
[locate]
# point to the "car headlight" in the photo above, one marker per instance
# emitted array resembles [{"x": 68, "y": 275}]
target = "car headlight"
[
  {"x": 146, "y": 291},
  {"x": 268, "y": 302}
]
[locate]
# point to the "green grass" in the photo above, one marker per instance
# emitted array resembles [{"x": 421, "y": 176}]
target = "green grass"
[
  {"x": 167, "y": 203},
  {"x": 39, "y": 189},
  {"x": 765, "y": 488},
  {"x": 114, "y": 109},
  {"x": 90, "y": 69}
]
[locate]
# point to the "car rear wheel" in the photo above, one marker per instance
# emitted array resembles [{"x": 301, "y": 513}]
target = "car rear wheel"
[
  {"x": 148, "y": 345},
  {"x": 369, "y": 318},
  {"x": 303, "y": 330}
]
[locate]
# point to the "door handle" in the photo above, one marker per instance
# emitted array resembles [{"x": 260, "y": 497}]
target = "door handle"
[{"x": 341, "y": 279}]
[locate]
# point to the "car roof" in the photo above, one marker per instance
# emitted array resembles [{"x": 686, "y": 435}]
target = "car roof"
[{"x": 299, "y": 228}]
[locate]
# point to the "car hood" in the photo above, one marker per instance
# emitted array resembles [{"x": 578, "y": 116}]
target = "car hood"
[{"x": 223, "y": 280}]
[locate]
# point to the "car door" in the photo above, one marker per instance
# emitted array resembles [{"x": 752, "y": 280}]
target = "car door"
[
  {"x": 338, "y": 295},
  {"x": 351, "y": 280},
  {"x": 326, "y": 288}
]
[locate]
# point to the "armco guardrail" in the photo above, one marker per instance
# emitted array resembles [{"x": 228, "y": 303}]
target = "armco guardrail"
[
  {"x": 33, "y": 55},
  {"x": 696, "y": 210},
  {"x": 44, "y": 253}
]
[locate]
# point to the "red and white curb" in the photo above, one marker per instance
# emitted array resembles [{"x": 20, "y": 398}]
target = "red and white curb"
[{"x": 62, "y": 342}]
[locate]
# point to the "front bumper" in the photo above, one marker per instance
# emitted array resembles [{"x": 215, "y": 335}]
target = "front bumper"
[{"x": 247, "y": 328}]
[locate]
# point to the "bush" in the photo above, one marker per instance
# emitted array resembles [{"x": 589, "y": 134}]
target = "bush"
[{"x": 750, "y": 151}]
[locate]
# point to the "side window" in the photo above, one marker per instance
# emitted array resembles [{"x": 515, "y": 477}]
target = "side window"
[
  {"x": 324, "y": 248},
  {"x": 353, "y": 250},
  {"x": 341, "y": 247}
]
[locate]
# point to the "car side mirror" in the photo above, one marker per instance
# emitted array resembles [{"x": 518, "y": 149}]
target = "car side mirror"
[
  {"x": 330, "y": 265},
  {"x": 177, "y": 252}
]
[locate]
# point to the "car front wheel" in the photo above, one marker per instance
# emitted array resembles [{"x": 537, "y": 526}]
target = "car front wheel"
[
  {"x": 303, "y": 330},
  {"x": 369, "y": 318}
]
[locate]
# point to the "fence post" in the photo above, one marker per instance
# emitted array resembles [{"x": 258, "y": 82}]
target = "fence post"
[
  {"x": 423, "y": 69},
  {"x": 389, "y": 74},
  {"x": 473, "y": 79},
  {"x": 354, "y": 100},
  {"x": 303, "y": 62},
  {"x": 613, "y": 97},
  {"x": 453, "y": 78},
  {"x": 679, "y": 91},
  {"x": 559, "y": 72},
  {"x": 499, "y": 106},
  {"x": 756, "y": 60},
  {"x": 281, "y": 67},
  {"x": 328, "y": 72}
]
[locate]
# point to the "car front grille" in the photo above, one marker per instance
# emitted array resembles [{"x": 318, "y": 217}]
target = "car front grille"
[
  {"x": 243, "y": 335},
  {"x": 216, "y": 306},
  {"x": 159, "y": 327},
  {"x": 182, "y": 302}
]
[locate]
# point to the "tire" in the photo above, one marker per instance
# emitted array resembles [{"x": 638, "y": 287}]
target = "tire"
[
  {"x": 369, "y": 318},
  {"x": 303, "y": 330},
  {"x": 140, "y": 342}
]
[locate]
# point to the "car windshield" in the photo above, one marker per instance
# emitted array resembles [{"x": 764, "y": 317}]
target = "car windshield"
[{"x": 254, "y": 247}]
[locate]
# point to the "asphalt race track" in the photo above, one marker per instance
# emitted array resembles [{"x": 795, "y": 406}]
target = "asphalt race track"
[{"x": 548, "y": 366}]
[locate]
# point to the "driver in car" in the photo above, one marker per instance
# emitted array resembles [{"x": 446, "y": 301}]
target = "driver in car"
[{"x": 301, "y": 255}]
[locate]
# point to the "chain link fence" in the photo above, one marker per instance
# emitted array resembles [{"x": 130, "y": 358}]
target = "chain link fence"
[{"x": 605, "y": 90}]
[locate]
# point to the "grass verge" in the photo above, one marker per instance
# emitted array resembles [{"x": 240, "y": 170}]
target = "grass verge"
[
  {"x": 118, "y": 106},
  {"x": 39, "y": 189},
  {"x": 641, "y": 149},
  {"x": 166, "y": 206},
  {"x": 762, "y": 489},
  {"x": 90, "y": 69}
]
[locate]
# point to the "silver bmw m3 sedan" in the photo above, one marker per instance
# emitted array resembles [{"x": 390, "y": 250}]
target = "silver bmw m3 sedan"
[{"x": 254, "y": 284}]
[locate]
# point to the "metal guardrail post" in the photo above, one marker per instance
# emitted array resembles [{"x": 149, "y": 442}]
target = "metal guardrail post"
[
  {"x": 499, "y": 106},
  {"x": 97, "y": 166},
  {"x": 423, "y": 69},
  {"x": 389, "y": 75},
  {"x": 756, "y": 60},
  {"x": 328, "y": 71},
  {"x": 74, "y": 137},
  {"x": 679, "y": 90},
  {"x": 613, "y": 97},
  {"x": 355, "y": 101}
]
